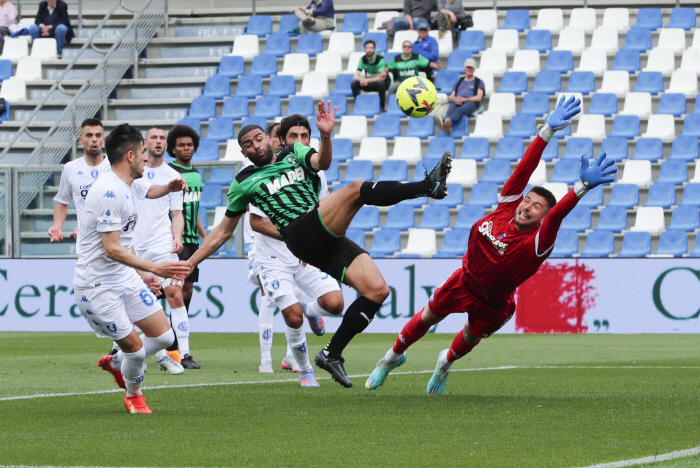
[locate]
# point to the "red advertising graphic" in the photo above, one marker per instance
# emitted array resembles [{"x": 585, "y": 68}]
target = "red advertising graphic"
[{"x": 555, "y": 299}]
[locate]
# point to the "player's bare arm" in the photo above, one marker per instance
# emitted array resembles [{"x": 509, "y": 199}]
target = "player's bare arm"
[
  {"x": 264, "y": 226},
  {"x": 115, "y": 251},
  {"x": 60, "y": 212},
  {"x": 177, "y": 226},
  {"x": 175, "y": 185},
  {"x": 325, "y": 121},
  {"x": 216, "y": 238}
]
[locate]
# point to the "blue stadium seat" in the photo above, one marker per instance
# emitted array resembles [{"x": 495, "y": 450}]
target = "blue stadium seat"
[
  {"x": 393, "y": 106},
  {"x": 385, "y": 242},
  {"x": 278, "y": 44},
  {"x": 367, "y": 218},
  {"x": 340, "y": 101},
  {"x": 460, "y": 129},
  {"x": 288, "y": 22},
  {"x": 425, "y": 164},
  {"x": 484, "y": 194},
  {"x": 260, "y": 25},
  {"x": 672, "y": 103},
  {"x": 454, "y": 198},
  {"x": 513, "y": 82},
  {"x": 394, "y": 170},
  {"x": 342, "y": 149},
  {"x": 6, "y": 69},
  {"x": 599, "y": 244},
  {"x": 202, "y": 213},
  {"x": 691, "y": 125},
  {"x": 220, "y": 129},
  {"x": 551, "y": 151},
  {"x": 401, "y": 217},
  {"x": 387, "y": 126},
  {"x": 496, "y": 171},
  {"x": 696, "y": 252},
  {"x": 561, "y": 61},
  {"x": 691, "y": 195},
  {"x": 650, "y": 82},
  {"x": 357, "y": 236},
  {"x": 539, "y": 40},
  {"x": 535, "y": 103},
  {"x": 476, "y": 148},
  {"x": 455, "y": 61},
  {"x": 268, "y": 107},
  {"x": 566, "y": 244},
  {"x": 612, "y": 218},
  {"x": 208, "y": 150},
  {"x": 661, "y": 194},
  {"x": 472, "y": 41},
  {"x": 567, "y": 170},
  {"x": 435, "y": 217},
  {"x": 626, "y": 126},
  {"x": 579, "y": 219},
  {"x": 196, "y": 124},
  {"x": 282, "y": 86},
  {"x": 510, "y": 148},
  {"x": 674, "y": 171},
  {"x": 649, "y": 149},
  {"x": 522, "y": 125},
  {"x": 218, "y": 86},
  {"x": 367, "y": 105},
  {"x": 638, "y": 39},
  {"x": 302, "y": 105},
  {"x": 673, "y": 243},
  {"x": 264, "y": 65},
  {"x": 685, "y": 148},
  {"x": 517, "y": 19},
  {"x": 343, "y": 83},
  {"x": 635, "y": 244},
  {"x": 202, "y": 108},
  {"x": 359, "y": 170},
  {"x": 379, "y": 39},
  {"x": 332, "y": 173},
  {"x": 249, "y": 86},
  {"x": 683, "y": 18},
  {"x": 439, "y": 145},
  {"x": 355, "y": 23},
  {"x": 235, "y": 107},
  {"x": 649, "y": 18},
  {"x": 615, "y": 147},
  {"x": 231, "y": 66},
  {"x": 259, "y": 121},
  {"x": 415, "y": 202},
  {"x": 222, "y": 175},
  {"x": 421, "y": 128},
  {"x": 593, "y": 199},
  {"x": 547, "y": 82},
  {"x": 575, "y": 147},
  {"x": 581, "y": 82},
  {"x": 468, "y": 215},
  {"x": 455, "y": 243},
  {"x": 624, "y": 195},
  {"x": 685, "y": 218},
  {"x": 388, "y": 56},
  {"x": 603, "y": 103},
  {"x": 627, "y": 60},
  {"x": 310, "y": 44},
  {"x": 445, "y": 81}
]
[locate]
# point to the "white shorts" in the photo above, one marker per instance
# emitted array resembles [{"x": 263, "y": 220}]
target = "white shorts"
[
  {"x": 111, "y": 310},
  {"x": 252, "y": 267},
  {"x": 279, "y": 282},
  {"x": 159, "y": 256}
]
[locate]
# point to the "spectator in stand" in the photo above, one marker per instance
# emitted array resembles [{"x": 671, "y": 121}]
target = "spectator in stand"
[
  {"x": 426, "y": 45},
  {"x": 412, "y": 10},
  {"x": 316, "y": 17},
  {"x": 8, "y": 15},
  {"x": 52, "y": 21},
  {"x": 376, "y": 77},
  {"x": 406, "y": 65},
  {"x": 465, "y": 98},
  {"x": 454, "y": 9}
]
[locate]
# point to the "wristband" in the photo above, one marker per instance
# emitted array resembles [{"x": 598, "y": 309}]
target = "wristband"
[{"x": 580, "y": 188}]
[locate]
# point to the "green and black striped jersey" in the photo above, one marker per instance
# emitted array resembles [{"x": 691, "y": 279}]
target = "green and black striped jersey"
[
  {"x": 283, "y": 190},
  {"x": 190, "y": 205}
]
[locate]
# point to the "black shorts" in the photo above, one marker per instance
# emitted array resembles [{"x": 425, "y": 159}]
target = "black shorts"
[
  {"x": 187, "y": 251},
  {"x": 309, "y": 240}
]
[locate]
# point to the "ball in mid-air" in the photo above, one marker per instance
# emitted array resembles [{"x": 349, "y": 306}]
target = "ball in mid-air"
[{"x": 416, "y": 97}]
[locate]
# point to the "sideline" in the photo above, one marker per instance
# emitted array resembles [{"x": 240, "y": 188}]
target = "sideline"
[{"x": 651, "y": 459}]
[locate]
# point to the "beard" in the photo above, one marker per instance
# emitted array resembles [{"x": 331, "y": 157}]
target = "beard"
[
  {"x": 93, "y": 154},
  {"x": 264, "y": 159}
]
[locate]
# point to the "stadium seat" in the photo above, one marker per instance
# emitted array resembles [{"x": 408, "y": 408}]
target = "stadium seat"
[
  {"x": 195, "y": 124},
  {"x": 593, "y": 199},
  {"x": 367, "y": 218},
  {"x": 353, "y": 127},
  {"x": 459, "y": 129},
  {"x": 248, "y": 86},
  {"x": 672, "y": 243},
  {"x": 591, "y": 126},
  {"x": 288, "y": 23},
  {"x": 445, "y": 43},
  {"x": 637, "y": 172},
  {"x": 685, "y": 82},
  {"x": 339, "y": 101},
  {"x": 296, "y": 65},
  {"x": 407, "y": 149},
  {"x": 691, "y": 59},
  {"x": 28, "y": 69},
  {"x": 674, "y": 171},
  {"x": 672, "y": 39},
  {"x": 661, "y": 126},
  {"x": 696, "y": 177},
  {"x": 551, "y": 151},
  {"x": 649, "y": 219},
  {"x": 683, "y": 18},
  {"x": 539, "y": 175},
  {"x": 394, "y": 170},
  {"x": 517, "y": 19},
  {"x": 246, "y": 46},
  {"x": 612, "y": 218},
  {"x": 509, "y": 148},
  {"x": 567, "y": 171},
  {"x": 303, "y": 105},
  {"x": 513, "y": 82},
  {"x": 422, "y": 166},
  {"x": 468, "y": 215},
  {"x": 624, "y": 195},
  {"x": 503, "y": 104},
  {"x": 332, "y": 173},
  {"x": 202, "y": 108},
  {"x": 575, "y": 147},
  {"x": 484, "y": 194},
  {"x": 260, "y": 25},
  {"x": 421, "y": 242},
  {"x": 487, "y": 77},
  {"x": 581, "y": 82},
  {"x": 661, "y": 61},
  {"x": 387, "y": 126},
  {"x": 579, "y": 219},
  {"x": 685, "y": 148},
  {"x": 220, "y": 129},
  {"x": 616, "y": 82},
  {"x": 584, "y": 18},
  {"x": 605, "y": 39},
  {"x": 572, "y": 39},
  {"x": 310, "y": 44},
  {"x": 358, "y": 170},
  {"x": 264, "y": 65},
  {"x": 463, "y": 172},
  {"x": 455, "y": 61},
  {"x": 471, "y": 41},
  {"x": 475, "y": 148},
  {"x": 219, "y": 86},
  {"x": 673, "y": 104},
  {"x": 268, "y": 107},
  {"x": 13, "y": 90},
  {"x": 355, "y": 23},
  {"x": 454, "y": 198},
  {"x": 566, "y": 244},
  {"x": 421, "y": 128},
  {"x": 635, "y": 245},
  {"x": 455, "y": 243},
  {"x": 401, "y": 217},
  {"x": 233, "y": 151},
  {"x": 315, "y": 85},
  {"x": 551, "y": 19},
  {"x": 599, "y": 244},
  {"x": 231, "y": 66},
  {"x": 5, "y": 69},
  {"x": 661, "y": 194},
  {"x": 208, "y": 150},
  {"x": 485, "y": 20},
  {"x": 691, "y": 125},
  {"x": 615, "y": 147},
  {"x": 278, "y": 44},
  {"x": 627, "y": 60},
  {"x": 235, "y": 107},
  {"x": 594, "y": 61},
  {"x": 44, "y": 49},
  {"x": 626, "y": 126},
  {"x": 379, "y": 39},
  {"x": 522, "y": 125},
  {"x": 649, "y": 18},
  {"x": 386, "y": 241},
  {"x": 393, "y": 106},
  {"x": 259, "y": 121},
  {"x": 493, "y": 60},
  {"x": 400, "y": 37},
  {"x": 489, "y": 125},
  {"x": 616, "y": 18},
  {"x": 695, "y": 252},
  {"x": 496, "y": 171},
  {"x": 649, "y": 149},
  {"x": 439, "y": 145},
  {"x": 638, "y": 104},
  {"x": 436, "y": 217},
  {"x": 651, "y": 82},
  {"x": 15, "y": 49},
  {"x": 535, "y": 104},
  {"x": 222, "y": 175},
  {"x": 329, "y": 63},
  {"x": 445, "y": 81},
  {"x": 527, "y": 61},
  {"x": 685, "y": 218},
  {"x": 603, "y": 104},
  {"x": 372, "y": 149},
  {"x": 691, "y": 195},
  {"x": 539, "y": 40},
  {"x": 357, "y": 236},
  {"x": 342, "y": 149},
  {"x": 547, "y": 81},
  {"x": 638, "y": 39},
  {"x": 383, "y": 16}
]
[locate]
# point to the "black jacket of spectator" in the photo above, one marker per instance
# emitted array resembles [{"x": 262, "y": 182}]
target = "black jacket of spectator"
[{"x": 60, "y": 17}]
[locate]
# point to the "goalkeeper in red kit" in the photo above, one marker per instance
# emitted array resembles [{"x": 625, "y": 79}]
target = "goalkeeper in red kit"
[{"x": 506, "y": 247}]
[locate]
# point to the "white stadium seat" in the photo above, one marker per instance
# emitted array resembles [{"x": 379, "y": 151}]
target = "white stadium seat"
[
  {"x": 296, "y": 65},
  {"x": 485, "y": 20},
  {"x": 661, "y": 126},
  {"x": 507, "y": 40},
  {"x": 219, "y": 213},
  {"x": 487, "y": 77},
  {"x": 353, "y": 60},
  {"x": 315, "y": 143},
  {"x": 638, "y": 104},
  {"x": 233, "y": 151},
  {"x": 329, "y": 63},
  {"x": 407, "y": 149},
  {"x": 539, "y": 176},
  {"x": 502, "y": 104},
  {"x": 14, "y": 49},
  {"x": 246, "y": 45},
  {"x": 29, "y": 69},
  {"x": 383, "y": 17},
  {"x": 583, "y": 18},
  {"x": 650, "y": 219},
  {"x": 401, "y": 36},
  {"x": 617, "y": 18},
  {"x": 671, "y": 39},
  {"x": 558, "y": 189},
  {"x": 593, "y": 60},
  {"x": 342, "y": 43},
  {"x": 314, "y": 85},
  {"x": 573, "y": 39},
  {"x": 551, "y": 19},
  {"x": 494, "y": 61},
  {"x": 44, "y": 48},
  {"x": 661, "y": 60},
  {"x": 463, "y": 172},
  {"x": 696, "y": 39},
  {"x": 422, "y": 242},
  {"x": 691, "y": 60},
  {"x": 373, "y": 149},
  {"x": 696, "y": 177},
  {"x": 684, "y": 82},
  {"x": 353, "y": 127},
  {"x": 590, "y": 126},
  {"x": 527, "y": 61},
  {"x": 616, "y": 82},
  {"x": 488, "y": 125},
  {"x": 637, "y": 172},
  {"x": 606, "y": 39},
  {"x": 445, "y": 44},
  {"x": 14, "y": 90}
]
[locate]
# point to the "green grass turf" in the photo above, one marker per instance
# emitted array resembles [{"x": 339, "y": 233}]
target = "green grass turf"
[{"x": 528, "y": 417}]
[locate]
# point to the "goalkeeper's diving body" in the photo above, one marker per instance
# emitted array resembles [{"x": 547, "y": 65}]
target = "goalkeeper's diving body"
[{"x": 506, "y": 247}]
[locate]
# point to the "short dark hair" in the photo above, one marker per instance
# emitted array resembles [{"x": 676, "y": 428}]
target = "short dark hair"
[
  {"x": 121, "y": 140},
  {"x": 156, "y": 127},
  {"x": 271, "y": 128},
  {"x": 546, "y": 194},
  {"x": 179, "y": 131},
  {"x": 369, "y": 41},
  {"x": 91, "y": 123},
  {"x": 294, "y": 120},
  {"x": 246, "y": 130}
]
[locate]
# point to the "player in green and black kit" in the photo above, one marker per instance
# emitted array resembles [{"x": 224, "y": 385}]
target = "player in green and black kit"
[
  {"x": 376, "y": 78},
  {"x": 183, "y": 141},
  {"x": 407, "y": 65},
  {"x": 285, "y": 188}
]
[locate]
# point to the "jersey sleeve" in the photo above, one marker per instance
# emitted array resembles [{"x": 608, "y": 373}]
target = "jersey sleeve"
[
  {"x": 360, "y": 65},
  {"x": 545, "y": 239},
  {"x": 108, "y": 212},
  {"x": 140, "y": 188},
  {"x": 303, "y": 154},
  {"x": 65, "y": 191},
  {"x": 238, "y": 200},
  {"x": 380, "y": 65},
  {"x": 176, "y": 200},
  {"x": 422, "y": 62},
  {"x": 518, "y": 180}
]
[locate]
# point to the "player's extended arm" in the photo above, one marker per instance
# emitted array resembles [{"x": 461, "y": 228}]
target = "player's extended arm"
[
  {"x": 216, "y": 238},
  {"x": 117, "y": 252},
  {"x": 151, "y": 280},
  {"x": 264, "y": 226},
  {"x": 175, "y": 185},
  {"x": 60, "y": 212},
  {"x": 177, "y": 226},
  {"x": 325, "y": 121}
]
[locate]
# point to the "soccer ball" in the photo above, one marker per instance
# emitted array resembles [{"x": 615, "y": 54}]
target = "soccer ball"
[{"x": 416, "y": 97}]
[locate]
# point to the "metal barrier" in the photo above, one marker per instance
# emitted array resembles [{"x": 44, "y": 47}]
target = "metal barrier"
[
  {"x": 68, "y": 2},
  {"x": 5, "y": 212}
]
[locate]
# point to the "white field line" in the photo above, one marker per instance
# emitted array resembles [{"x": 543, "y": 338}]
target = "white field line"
[
  {"x": 651, "y": 459},
  {"x": 218, "y": 384}
]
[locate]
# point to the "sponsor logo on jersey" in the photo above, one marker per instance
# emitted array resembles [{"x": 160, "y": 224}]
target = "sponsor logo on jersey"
[
  {"x": 94, "y": 173},
  {"x": 80, "y": 172},
  {"x": 109, "y": 194},
  {"x": 285, "y": 179},
  {"x": 131, "y": 222},
  {"x": 193, "y": 196},
  {"x": 485, "y": 230},
  {"x": 84, "y": 189},
  {"x": 292, "y": 159}
]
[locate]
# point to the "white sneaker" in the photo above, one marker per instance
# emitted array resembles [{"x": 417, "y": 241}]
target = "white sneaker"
[
  {"x": 266, "y": 368},
  {"x": 169, "y": 365},
  {"x": 290, "y": 364}
]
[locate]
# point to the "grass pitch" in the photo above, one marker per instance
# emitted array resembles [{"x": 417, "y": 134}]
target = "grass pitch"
[{"x": 516, "y": 401}]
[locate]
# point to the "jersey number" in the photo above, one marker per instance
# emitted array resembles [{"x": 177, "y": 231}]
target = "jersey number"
[{"x": 147, "y": 297}]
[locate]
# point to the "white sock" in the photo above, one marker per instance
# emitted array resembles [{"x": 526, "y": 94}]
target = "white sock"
[
  {"x": 115, "y": 345},
  {"x": 181, "y": 326},
  {"x": 116, "y": 361},
  {"x": 132, "y": 370},
  {"x": 161, "y": 354},
  {"x": 265, "y": 319},
  {"x": 296, "y": 339},
  {"x": 443, "y": 363},
  {"x": 391, "y": 356},
  {"x": 154, "y": 345},
  {"x": 313, "y": 309}
]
